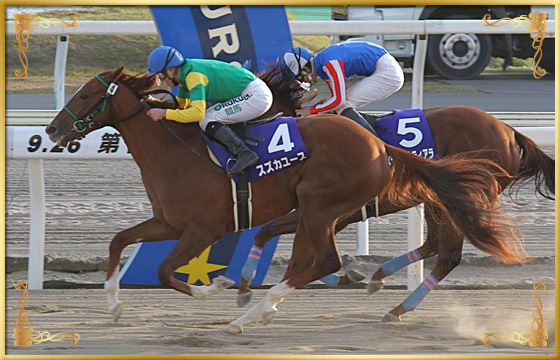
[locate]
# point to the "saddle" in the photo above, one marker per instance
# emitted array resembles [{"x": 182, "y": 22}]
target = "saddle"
[{"x": 279, "y": 145}]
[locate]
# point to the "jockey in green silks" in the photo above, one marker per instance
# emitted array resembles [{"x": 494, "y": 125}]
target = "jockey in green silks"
[{"x": 238, "y": 95}]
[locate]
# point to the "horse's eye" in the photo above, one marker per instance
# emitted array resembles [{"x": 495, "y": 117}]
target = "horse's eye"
[{"x": 84, "y": 96}]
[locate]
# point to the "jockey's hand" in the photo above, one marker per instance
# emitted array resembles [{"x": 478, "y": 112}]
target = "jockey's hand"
[
  {"x": 157, "y": 114},
  {"x": 322, "y": 101},
  {"x": 303, "y": 112},
  {"x": 307, "y": 98}
]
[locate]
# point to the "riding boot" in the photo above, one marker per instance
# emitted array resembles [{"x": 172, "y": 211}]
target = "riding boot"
[
  {"x": 354, "y": 115},
  {"x": 237, "y": 147}
]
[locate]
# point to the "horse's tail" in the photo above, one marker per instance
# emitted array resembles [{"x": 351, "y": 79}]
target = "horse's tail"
[
  {"x": 535, "y": 164},
  {"x": 465, "y": 194}
]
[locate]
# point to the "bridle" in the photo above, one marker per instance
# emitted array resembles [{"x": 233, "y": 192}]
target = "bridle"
[{"x": 81, "y": 124}]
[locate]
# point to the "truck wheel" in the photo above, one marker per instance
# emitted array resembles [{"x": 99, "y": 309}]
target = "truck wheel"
[{"x": 458, "y": 56}]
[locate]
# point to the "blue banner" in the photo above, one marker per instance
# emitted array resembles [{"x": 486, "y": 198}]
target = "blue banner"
[
  {"x": 229, "y": 33},
  {"x": 226, "y": 257}
]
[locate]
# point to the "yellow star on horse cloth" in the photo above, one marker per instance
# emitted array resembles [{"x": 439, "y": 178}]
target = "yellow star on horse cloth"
[{"x": 199, "y": 268}]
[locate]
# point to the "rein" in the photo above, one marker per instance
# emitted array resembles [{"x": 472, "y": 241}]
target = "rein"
[{"x": 181, "y": 140}]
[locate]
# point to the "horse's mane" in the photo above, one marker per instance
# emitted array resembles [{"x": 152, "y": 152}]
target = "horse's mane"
[
  {"x": 285, "y": 89},
  {"x": 139, "y": 82}
]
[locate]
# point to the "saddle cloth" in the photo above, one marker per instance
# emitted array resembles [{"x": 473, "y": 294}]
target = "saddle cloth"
[
  {"x": 408, "y": 130},
  {"x": 278, "y": 144}
]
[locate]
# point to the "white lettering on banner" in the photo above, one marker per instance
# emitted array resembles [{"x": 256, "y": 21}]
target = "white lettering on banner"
[
  {"x": 216, "y": 13},
  {"x": 279, "y": 164},
  {"x": 223, "y": 32},
  {"x": 31, "y": 142}
]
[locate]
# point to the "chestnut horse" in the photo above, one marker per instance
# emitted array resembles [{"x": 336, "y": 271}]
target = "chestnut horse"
[
  {"x": 192, "y": 202},
  {"x": 456, "y": 130}
]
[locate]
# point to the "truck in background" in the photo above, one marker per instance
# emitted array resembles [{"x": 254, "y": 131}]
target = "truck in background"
[{"x": 455, "y": 56}]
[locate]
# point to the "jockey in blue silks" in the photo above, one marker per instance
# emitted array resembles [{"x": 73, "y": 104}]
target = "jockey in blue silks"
[{"x": 382, "y": 74}]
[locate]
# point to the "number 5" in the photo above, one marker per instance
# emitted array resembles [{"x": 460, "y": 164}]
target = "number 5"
[{"x": 403, "y": 130}]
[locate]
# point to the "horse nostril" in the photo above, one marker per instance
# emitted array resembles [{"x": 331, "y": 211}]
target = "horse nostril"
[{"x": 50, "y": 130}]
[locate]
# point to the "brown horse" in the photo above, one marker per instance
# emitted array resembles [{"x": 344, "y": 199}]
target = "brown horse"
[
  {"x": 456, "y": 130},
  {"x": 192, "y": 202}
]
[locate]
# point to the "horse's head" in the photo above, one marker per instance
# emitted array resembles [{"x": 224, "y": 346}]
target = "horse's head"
[
  {"x": 286, "y": 91},
  {"x": 93, "y": 107}
]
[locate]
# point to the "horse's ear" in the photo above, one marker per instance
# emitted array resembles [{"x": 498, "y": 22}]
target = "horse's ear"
[{"x": 118, "y": 72}]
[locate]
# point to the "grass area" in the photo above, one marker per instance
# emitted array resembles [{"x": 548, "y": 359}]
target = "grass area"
[
  {"x": 90, "y": 55},
  {"x": 518, "y": 64}
]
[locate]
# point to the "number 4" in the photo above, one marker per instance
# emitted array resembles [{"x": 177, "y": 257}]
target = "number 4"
[{"x": 281, "y": 140}]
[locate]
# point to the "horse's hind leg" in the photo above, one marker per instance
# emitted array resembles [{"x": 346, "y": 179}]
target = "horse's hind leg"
[
  {"x": 301, "y": 259},
  {"x": 319, "y": 232},
  {"x": 149, "y": 230},
  {"x": 428, "y": 249},
  {"x": 449, "y": 256},
  {"x": 287, "y": 224}
]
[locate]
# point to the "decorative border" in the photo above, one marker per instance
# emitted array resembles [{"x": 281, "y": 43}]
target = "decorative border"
[
  {"x": 537, "y": 23},
  {"x": 25, "y": 335},
  {"x": 23, "y": 26},
  {"x": 534, "y": 337}
]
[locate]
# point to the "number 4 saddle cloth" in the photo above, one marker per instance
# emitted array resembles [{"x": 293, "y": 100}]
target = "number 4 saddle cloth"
[
  {"x": 408, "y": 130},
  {"x": 278, "y": 144}
]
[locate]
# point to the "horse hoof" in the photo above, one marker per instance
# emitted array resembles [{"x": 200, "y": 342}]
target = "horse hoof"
[
  {"x": 244, "y": 299},
  {"x": 355, "y": 276},
  {"x": 233, "y": 329},
  {"x": 374, "y": 286},
  {"x": 222, "y": 282},
  {"x": 199, "y": 292},
  {"x": 116, "y": 311},
  {"x": 267, "y": 317},
  {"x": 391, "y": 318}
]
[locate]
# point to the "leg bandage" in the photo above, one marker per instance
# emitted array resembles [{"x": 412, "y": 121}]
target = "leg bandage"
[
  {"x": 412, "y": 301},
  {"x": 250, "y": 268},
  {"x": 393, "y": 265},
  {"x": 331, "y": 280}
]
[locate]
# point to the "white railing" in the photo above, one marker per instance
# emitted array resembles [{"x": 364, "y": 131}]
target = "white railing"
[{"x": 421, "y": 28}]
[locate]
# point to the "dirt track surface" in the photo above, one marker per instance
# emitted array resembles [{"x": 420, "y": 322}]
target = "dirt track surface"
[{"x": 309, "y": 322}]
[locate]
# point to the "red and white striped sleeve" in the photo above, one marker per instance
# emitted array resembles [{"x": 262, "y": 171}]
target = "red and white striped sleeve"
[{"x": 337, "y": 84}]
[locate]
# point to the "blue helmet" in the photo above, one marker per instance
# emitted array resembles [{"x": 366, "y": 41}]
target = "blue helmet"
[
  {"x": 293, "y": 61},
  {"x": 164, "y": 57}
]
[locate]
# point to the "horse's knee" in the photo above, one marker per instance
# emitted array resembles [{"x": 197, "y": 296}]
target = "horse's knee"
[
  {"x": 263, "y": 235},
  {"x": 119, "y": 242},
  {"x": 164, "y": 275},
  {"x": 454, "y": 260},
  {"x": 329, "y": 264},
  {"x": 448, "y": 262}
]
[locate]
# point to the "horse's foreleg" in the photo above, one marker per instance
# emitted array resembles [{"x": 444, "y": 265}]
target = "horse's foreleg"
[
  {"x": 427, "y": 250},
  {"x": 149, "y": 230},
  {"x": 449, "y": 256},
  {"x": 287, "y": 224},
  {"x": 192, "y": 243}
]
